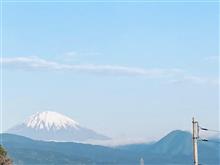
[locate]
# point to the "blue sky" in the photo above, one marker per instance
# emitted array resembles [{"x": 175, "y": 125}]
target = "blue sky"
[{"x": 129, "y": 70}]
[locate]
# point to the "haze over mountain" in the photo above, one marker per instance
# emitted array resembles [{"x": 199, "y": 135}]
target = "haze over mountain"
[
  {"x": 52, "y": 126},
  {"x": 175, "y": 148}
]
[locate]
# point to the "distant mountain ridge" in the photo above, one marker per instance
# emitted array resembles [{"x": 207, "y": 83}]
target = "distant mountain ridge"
[
  {"x": 176, "y": 142},
  {"x": 53, "y": 126},
  {"x": 174, "y": 148}
]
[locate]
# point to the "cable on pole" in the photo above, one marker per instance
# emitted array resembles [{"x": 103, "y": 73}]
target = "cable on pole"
[
  {"x": 211, "y": 130},
  {"x": 198, "y": 138},
  {"x": 211, "y": 141}
]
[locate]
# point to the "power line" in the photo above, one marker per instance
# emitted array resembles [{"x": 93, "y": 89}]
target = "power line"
[
  {"x": 211, "y": 130},
  {"x": 204, "y": 140},
  {"x": 211, "y": 141}
]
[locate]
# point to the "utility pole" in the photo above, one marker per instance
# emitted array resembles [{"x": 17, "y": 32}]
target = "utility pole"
[
  {"x": 195, "y": 136},
  {"x": 141, "y": 161}
]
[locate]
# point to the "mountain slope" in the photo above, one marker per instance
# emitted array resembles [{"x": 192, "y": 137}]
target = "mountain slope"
[
  {"x": 176, "y": 147},
  {"x": 52, "y": 126},
  {"x": 29, "y": 152},
  {"x": 175, "y": 143}
]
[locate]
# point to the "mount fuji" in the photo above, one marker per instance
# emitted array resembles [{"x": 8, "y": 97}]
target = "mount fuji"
[{"x": 53, "y": 126}]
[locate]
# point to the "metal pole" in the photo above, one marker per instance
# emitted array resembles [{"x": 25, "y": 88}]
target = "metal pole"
[
  {"x": 141, "y": 161},
  {"x": 195, "y": 138}
]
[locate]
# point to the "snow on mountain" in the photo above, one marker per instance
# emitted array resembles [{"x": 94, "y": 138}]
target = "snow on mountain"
[
  {"x": 53, "y": 126},
  {"x": 50, "y": 120}
]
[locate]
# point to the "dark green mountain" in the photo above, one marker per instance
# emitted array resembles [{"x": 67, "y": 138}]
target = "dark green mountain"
[
  {"x": 175, "y": 148},
  {"x": 27, "y": 151}
]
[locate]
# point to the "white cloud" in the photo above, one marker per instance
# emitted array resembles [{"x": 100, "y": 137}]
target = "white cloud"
[
  {"x": 118, "y": 141},
  {"x": 39, "y": 63},
  {"x": 72, "y": 56},
  {"x": 212, "y": 58},
  {"x": 173, "y": 75}
]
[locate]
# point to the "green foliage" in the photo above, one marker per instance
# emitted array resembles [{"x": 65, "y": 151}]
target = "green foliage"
[
  {"x": 2, "y": 151},
  {"x": 4, "y": 160}
]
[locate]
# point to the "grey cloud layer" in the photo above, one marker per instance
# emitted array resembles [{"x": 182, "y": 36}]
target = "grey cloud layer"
[{"x": 174, "y": 75}]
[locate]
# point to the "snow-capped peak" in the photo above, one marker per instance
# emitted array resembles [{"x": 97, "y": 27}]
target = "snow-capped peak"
[{"x": 50, "y": 120}]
